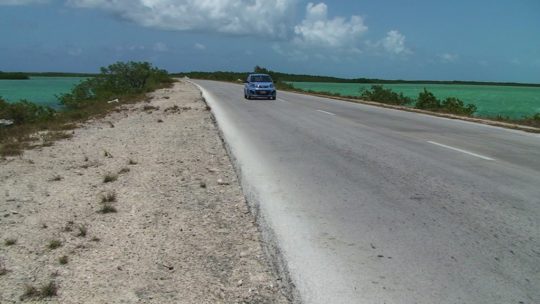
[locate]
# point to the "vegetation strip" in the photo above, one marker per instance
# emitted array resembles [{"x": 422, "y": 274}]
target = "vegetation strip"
[
  {"x": 503, "y": 124},
  {"x": 117, "y": 84}
]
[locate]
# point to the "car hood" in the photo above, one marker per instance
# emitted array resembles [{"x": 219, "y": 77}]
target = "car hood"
[{"x": 262, "y": 84}]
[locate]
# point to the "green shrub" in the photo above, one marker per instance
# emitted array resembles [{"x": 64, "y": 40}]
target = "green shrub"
[
  {"x": 456, "y": 106},
  {"x": 24, "y": 112},
  {"x": 427, "y": 101},
  {"x": 121, "y": 78},
  {"x": 379, "y": 94},
  {"x": 79, "y": 96}
]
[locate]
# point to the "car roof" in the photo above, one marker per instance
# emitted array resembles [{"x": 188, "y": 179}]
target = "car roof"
[{"x": 259, "y": 75}]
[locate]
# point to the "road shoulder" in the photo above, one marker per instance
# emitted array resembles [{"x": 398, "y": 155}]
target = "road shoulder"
[{"x": 181, "y": 233}]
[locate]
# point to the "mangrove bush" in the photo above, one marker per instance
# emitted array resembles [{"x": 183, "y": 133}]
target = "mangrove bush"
[
  {"x": 114, "y": 81},
  {"x": 24, "y": 112},
  {"x": 428, "y": 101},
  {"x": 379, "y": 94}
]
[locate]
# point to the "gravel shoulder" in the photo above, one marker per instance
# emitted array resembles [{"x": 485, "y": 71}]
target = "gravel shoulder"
[{"x": 170, "y": 226}]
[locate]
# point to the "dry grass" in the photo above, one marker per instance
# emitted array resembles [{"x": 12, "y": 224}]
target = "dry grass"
[
  {"x": 30, "y": 292},
  {"x": 108, "y": 197},
  {"x": 10, "y": 242},
  {"x": 124, "y": 170},
  {"x": 107, "y": 208},
  {"x": 173, "y": 109},
  {"x": 149, "y": 108},
  {"x": 68, "y": 227},
  {"x": 15, "y": 139},
  {"x": 106, "y": 203},
  {"x": 54, "y": 244},
  {"x": 56, "y": 178},
  {"x": 14, "y": 148},
  {"x": 63, "y": 260},
  {"x": 56, "y": 135},
  {"x": 83, "y": 231},
  {"x": 3, "y": 270},
  {"x": 46, "y": 291},
  {"x": 110, "y": 177}
]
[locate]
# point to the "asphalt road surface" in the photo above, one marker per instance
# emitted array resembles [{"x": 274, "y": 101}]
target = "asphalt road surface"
[{"x": 373, "y": 205}]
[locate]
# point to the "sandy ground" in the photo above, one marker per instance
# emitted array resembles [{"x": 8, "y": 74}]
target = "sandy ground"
[{"x": 181, "y": 233}]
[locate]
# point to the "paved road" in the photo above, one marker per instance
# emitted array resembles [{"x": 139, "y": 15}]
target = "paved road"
[{"x": 372, "y": 205}]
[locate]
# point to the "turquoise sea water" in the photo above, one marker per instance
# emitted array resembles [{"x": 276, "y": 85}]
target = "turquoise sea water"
[
  {"x": 515, "y": 102},
  {"x": 41, "y": 90}
]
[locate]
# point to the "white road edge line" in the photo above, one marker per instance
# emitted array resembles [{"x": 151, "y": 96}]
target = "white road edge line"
[
  {"x": 326, "y": 112},
  {"x": 279, "y": 99},
  {"x": 460, "y": 150}
]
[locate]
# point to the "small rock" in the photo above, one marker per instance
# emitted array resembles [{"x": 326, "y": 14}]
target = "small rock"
[
  {"x": 6, "y": 122},
  {"x": 222, "y": 182},
  {"x": 240, "y": 283}
]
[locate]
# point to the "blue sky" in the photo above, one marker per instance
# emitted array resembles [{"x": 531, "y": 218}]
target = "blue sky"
[{"x": 482, "y": 40}]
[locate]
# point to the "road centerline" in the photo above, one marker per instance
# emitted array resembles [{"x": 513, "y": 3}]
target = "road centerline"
[
  {"x": 461, "y": 150},
  {"x": 326, "y": 112}
]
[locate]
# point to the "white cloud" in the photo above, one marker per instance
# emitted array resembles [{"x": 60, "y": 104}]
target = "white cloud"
[
  {"x": 199, "y": 46},
  {"x": 291, "y": 53},
  {"x": 394, "y": 43},
  {"x": 515, "y": 61},
  {"x": 136, "y": 48},
  {"x": 22, "y": 2},
  {"x": 448, "y": 57},
  {"x": 483, "y": 63},
  {"x": 160, "y": 47},
  {"x": 320, "y": 31},
  {"x": 74, "y": 51},
  {"x": 259, "y": 17}
]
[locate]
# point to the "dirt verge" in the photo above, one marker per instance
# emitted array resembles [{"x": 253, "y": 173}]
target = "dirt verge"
[{"x": 142, "y": 206}]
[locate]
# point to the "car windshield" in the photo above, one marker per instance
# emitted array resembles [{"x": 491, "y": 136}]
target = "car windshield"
[{"x": 261, "y": 78}]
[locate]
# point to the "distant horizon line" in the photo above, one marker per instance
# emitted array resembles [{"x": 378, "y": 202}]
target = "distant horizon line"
[{"x": 341, "y": 79}]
